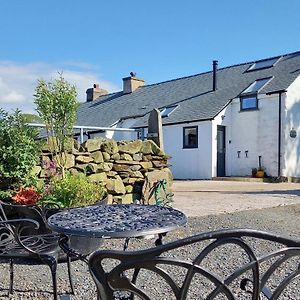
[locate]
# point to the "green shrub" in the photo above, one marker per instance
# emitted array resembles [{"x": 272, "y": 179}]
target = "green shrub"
[
  {"x": 19, "y": 151},
  {"x": 72, "y": 191}
]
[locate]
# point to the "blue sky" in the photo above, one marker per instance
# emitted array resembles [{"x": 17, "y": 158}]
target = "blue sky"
[{"x": 94, "y": 41}]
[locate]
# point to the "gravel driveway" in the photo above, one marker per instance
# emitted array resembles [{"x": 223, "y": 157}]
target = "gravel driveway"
[{"x": 33, "y": 282}]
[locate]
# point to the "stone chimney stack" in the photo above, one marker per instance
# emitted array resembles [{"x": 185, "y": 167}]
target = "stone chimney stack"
[
  {"x": 130, "y": 84},
  {"x": 94, "y": 92}
]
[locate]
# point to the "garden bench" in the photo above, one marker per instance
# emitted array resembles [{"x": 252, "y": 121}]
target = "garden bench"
[{"x": 224, "y": 264}]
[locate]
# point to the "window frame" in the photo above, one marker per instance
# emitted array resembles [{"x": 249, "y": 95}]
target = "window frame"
[
  {"x": 164, "y": 109},
  {"x": 242, "y": 97},
  {"x": 253, "y": 92},
  {"x": 183, "y": 134},
  {"x": 252, "y": 67}
]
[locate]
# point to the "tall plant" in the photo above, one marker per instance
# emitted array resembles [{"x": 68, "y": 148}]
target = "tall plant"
[
  {"x": 56, "y": 103},
  {"x": 19, "y": 151}
]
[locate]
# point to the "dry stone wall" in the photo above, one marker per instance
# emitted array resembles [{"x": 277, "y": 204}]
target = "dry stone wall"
[{"x": 129, "y": 169}]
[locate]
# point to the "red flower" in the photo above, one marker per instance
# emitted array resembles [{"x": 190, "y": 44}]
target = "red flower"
[{"x": 27, "y": 196}]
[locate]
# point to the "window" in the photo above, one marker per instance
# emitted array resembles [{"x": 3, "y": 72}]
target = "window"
[
  {"x": 249, "y": 102},
  {"x": 263, "y": 64},
  {"x": 166, "y": 111},
  {"x": 190, "y": 137},
  {"x": 256, "y": 86},
  {"x": 248, "y": 97},
  {"x": 141, "y": 134}
]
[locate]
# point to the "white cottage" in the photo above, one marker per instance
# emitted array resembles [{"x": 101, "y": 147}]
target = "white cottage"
[{"x": 217, "y": 123}]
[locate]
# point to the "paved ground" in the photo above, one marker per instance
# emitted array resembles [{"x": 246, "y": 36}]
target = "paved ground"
[{"x": 207, "y": 197}]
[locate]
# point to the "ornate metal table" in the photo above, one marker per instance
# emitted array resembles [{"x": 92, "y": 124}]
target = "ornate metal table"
[{"x": 115, "y": 221}]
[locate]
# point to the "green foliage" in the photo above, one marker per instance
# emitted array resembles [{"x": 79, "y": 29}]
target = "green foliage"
[
  {"x": 18, "y": 150},
  {"x": 31, "y": 118},
  {"x": 56, "y": 103},
  {"x": 6, "y": 195},
  {"x": 72, "y": 191}
]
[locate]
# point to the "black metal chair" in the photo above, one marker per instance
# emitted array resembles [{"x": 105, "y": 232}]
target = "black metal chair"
[
  {"x": 228, "y": 265},
  {"x": 26, "y": 239}
]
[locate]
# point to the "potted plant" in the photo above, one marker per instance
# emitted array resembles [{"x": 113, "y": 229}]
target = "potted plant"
[
  {"x": 260, "y": 172},
  {"x": 253, "y": 172}
]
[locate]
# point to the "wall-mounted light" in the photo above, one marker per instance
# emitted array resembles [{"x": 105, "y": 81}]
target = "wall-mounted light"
[
  {"x": 222, "y": 117},
  {"x": 293, "y": 133},
  {"x": 238, "y": 154},
  {"x": 246, "y": 153}
]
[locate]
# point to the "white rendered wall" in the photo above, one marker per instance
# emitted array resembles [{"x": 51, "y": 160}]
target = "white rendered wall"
[
  {"x": 291, "y": 146},
  {"x": 254, "y": 131},
  {"x": 119, "y": 135},
  {"x": 192, "y": 163}
]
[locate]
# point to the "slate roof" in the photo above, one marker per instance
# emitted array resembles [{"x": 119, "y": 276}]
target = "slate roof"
[{"x": 194, "y": 94}]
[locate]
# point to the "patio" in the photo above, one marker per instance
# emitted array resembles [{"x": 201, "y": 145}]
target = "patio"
[
  {"x": 283, "y": 220},
  {"x": 208, "y": 197}
]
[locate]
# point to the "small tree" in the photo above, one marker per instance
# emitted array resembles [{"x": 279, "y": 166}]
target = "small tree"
[{"x": 56, "y": 103}]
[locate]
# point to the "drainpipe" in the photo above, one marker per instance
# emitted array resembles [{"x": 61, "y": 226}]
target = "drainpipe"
[
  {"x": 280, "y": 92},
  {"x": 279, "y": 134},
  {"x": 215, "y": 68}
]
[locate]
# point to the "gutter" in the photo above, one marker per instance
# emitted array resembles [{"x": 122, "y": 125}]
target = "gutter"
[
  {"x": 177, "y": 123},
  {"x": 279, "y": 92}
]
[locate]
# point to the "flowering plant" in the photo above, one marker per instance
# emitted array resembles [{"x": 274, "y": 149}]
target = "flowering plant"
[
  {"x": 27, "y": 196},
  {"x": 50, "y": 167},
  {"x": 70, "y": 191}
]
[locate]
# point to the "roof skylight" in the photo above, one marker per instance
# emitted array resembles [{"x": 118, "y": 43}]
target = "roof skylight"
[
  {"x": 166, "y": 111},
  {"x": 263, "y": 64},
  {"x": 256, "y": 86}
]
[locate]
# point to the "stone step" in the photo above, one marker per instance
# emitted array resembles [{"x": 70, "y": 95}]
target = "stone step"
[{"x": 244, "y": 179}]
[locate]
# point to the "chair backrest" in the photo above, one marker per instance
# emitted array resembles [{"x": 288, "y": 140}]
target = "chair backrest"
[
  {"x": 10, "y": 211},
  {"x": 225, "y": 264},
  {"x": 2, "y": 212},
  {"x": 7, "y": 237}
]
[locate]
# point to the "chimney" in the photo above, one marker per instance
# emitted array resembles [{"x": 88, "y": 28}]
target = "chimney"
[
  {"x": 215, "y": 68},
  {"x": 130, "y": 84},
  {"x": 94, "y": 92}
]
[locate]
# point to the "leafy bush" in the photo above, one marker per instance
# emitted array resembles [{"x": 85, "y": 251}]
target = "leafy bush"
[
  {"x": 72, "y": 191},
  {"x": 19, "y": 151}
]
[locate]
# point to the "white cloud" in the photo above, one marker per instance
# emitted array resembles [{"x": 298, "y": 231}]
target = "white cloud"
[{"x": 18, "y": 81}]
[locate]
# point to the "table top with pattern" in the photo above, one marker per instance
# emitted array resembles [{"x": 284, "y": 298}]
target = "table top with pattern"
[{"x": 117, "y": 221}]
